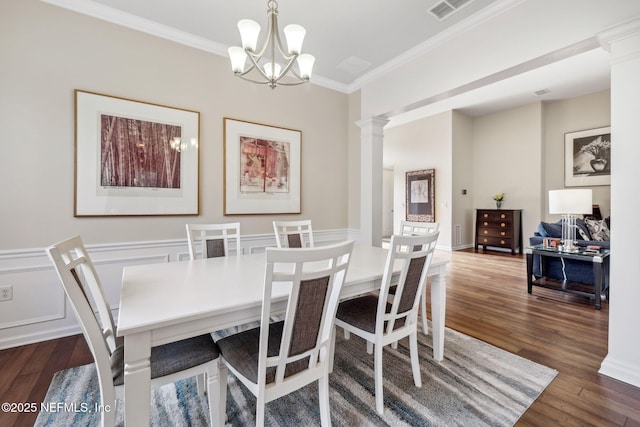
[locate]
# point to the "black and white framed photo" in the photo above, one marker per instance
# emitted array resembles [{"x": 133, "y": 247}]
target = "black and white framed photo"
[
  {"x": 587, "y": 157},
  {"x": 420, "y": 195}
]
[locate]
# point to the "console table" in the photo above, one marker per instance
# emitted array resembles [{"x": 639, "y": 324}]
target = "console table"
[
  {"x": 601, "y": 281},
  {"x": 500, "y": 228}
]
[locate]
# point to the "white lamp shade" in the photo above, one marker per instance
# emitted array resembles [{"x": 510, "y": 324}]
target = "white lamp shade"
[
  {"x": 570, "y": 201},
  {"x": 238, "y": 58},
  {"x": 295, "y": 36},
  {"x": 272, "y": 71},
  {"x": 305, "y": 65},
  {"x": 249, "y": 31}
]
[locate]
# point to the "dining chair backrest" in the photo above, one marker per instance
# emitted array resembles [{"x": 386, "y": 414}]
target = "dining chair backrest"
[
  {"x": 414, "y": 254},
  {"x": 415, "y": 228},
  {"x": 83, "y": 288},
  {"x": 382, "y": 321},
  {"x": 214, "y": 240},
  {"x": 280, "y": 357},
  {"x": 316, "y": 276},
  {"x": 293, "y": 234},
  {"x": 169, "y": 362}
]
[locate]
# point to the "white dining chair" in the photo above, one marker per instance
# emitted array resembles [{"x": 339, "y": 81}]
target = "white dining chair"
[
  {"x": 278, "y": 358},
  {"x": 415, "y": 228},
  {"x": 214, "y": 240},
  {"x": 171, "y": 362},
  {"x": 380, "y": 322},
  {"x": 293, "y": 234}
]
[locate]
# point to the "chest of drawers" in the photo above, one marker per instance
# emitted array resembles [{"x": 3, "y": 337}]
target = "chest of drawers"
[{"x": 501, "y": 228}]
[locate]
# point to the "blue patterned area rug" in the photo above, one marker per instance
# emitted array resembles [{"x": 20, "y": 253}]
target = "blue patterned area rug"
[{"x": 475, "y": 385}]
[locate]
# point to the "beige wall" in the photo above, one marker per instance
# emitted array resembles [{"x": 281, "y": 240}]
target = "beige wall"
[
  {"x": 47, "y": 52},
  {"x": 354, "y": 161},
  {"x": 585, "y": 112},
  {"x": 423, "y": 144},
  {"x": 462, "y": 179},
  {"x": 507, "y": 151},
  {"x": 519, "y": 151}
]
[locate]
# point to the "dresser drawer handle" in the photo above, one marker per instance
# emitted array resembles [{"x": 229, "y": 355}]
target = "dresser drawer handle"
[
  {"x": 503, "y": 216},
  {"x": 502, "y": 242},
  {"x": 503, "y": 233},
  {"x": 486, "y": 231},
  {"x": 486, "y": 215},
  {"x": 485, "y": 223},
  {"x": 485, "y": 240},
  {"x": 503, "y": 225}
]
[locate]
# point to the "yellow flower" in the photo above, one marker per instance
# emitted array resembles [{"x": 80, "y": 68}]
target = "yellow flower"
[{"x": 498, "y": 197}]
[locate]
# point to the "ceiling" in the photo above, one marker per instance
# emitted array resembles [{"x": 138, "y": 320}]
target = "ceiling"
[{"x": 355, "y": 41}]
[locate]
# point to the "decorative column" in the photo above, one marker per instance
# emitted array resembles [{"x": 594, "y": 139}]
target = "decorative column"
[
  {"x": 371, "y": 139},
  {"x": 623, "y": 42}
]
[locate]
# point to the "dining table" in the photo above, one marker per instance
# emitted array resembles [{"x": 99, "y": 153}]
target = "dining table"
[{"x": 168, "y": 302}]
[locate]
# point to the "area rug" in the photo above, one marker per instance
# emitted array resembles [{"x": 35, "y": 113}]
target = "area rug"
[{"x": 475, "y": 385}]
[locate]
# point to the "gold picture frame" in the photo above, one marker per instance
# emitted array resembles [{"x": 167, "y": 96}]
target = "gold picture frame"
[
  {"x": 134, "y": 158},
  {"x": 261, "y": 169}
]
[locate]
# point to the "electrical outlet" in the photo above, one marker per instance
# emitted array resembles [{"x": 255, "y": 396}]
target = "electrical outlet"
[{"x": 6, "y": 293}]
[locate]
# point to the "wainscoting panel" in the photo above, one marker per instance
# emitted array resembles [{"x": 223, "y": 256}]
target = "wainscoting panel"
[
  {"x": 37, "y": 297},
  {"x": 38, "y": 310}
]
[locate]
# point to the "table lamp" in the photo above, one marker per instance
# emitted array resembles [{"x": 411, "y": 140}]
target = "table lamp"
[{"x": 569, "y": 203}]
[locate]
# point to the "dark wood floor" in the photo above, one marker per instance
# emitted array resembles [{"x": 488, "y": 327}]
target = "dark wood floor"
[{"x": 487, "y": 299}]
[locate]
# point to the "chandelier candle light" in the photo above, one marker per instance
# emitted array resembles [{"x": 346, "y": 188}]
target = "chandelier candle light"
[
  {"x": 569, "y": 203},
  {"x": 271, "y": 72}
]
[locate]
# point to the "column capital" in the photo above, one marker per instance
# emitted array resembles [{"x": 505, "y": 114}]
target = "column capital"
[
  {"x": 372, "y": 122},
  {"x": 621, "y": 40}
]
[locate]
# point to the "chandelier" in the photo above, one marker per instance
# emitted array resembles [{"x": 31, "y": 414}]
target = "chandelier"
[{"x": 271, "y": 73}]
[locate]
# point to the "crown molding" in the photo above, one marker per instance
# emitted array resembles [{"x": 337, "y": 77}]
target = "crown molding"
[
  {"x": 479, "y": 18},
  {"x": 124, "y": 19},
  {"x": 118, "y": 17}
]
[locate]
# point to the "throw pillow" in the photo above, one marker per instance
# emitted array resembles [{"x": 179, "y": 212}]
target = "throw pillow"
[
  {"x": 598, "y": 229},
  {"x": 550, "y": 230},
  {"x": 583, "y": 230}
]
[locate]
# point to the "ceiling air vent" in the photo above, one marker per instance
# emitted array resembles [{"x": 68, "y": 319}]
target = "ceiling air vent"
[
  {"x": 445, "y": 8},
  {"x": 353, "y": 65}
]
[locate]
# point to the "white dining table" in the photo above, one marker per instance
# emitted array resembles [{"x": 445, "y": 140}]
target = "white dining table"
[{"x": 162, "y": 303}]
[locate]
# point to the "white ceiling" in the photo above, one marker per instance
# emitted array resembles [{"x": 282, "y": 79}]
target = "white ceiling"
[{"x": 344, "y": 32}]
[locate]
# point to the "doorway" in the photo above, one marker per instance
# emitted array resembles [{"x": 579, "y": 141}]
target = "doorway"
[{"x": 387, "y": 202}]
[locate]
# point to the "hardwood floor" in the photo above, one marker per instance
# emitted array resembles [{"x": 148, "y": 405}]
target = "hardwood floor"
[{"x": 487, "y": 299}]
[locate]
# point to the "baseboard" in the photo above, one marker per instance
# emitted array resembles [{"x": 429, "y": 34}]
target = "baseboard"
[
  {"x": 461, "y": 247},
  {"x": 40, "y": 336},
  {"x": 620, "y": 370}
]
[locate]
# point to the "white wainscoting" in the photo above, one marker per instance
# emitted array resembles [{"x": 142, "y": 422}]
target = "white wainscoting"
[{"x": 39, "y": 310}]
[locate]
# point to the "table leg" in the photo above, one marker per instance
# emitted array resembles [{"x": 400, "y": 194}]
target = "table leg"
[
  {"x": 529, "y": 272},
  {"x": 597, "y": 279},
  {"x": 137, "y": 379},
  {"x": 423, "y": 310},
  {"x": 438, "y": 309}
]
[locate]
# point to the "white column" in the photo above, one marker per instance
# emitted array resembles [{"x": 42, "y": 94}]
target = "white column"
[
  {"x": 622, "y": 361},
  {"x": 371, "y": 138}
]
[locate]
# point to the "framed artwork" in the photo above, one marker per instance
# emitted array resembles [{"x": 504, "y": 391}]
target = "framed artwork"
[
  {"x": 587, "y": 157},
  {"x": 420, "y": 195},
  {"x": 261, "y": 168},
  {"x": 134, "y": 158}
]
